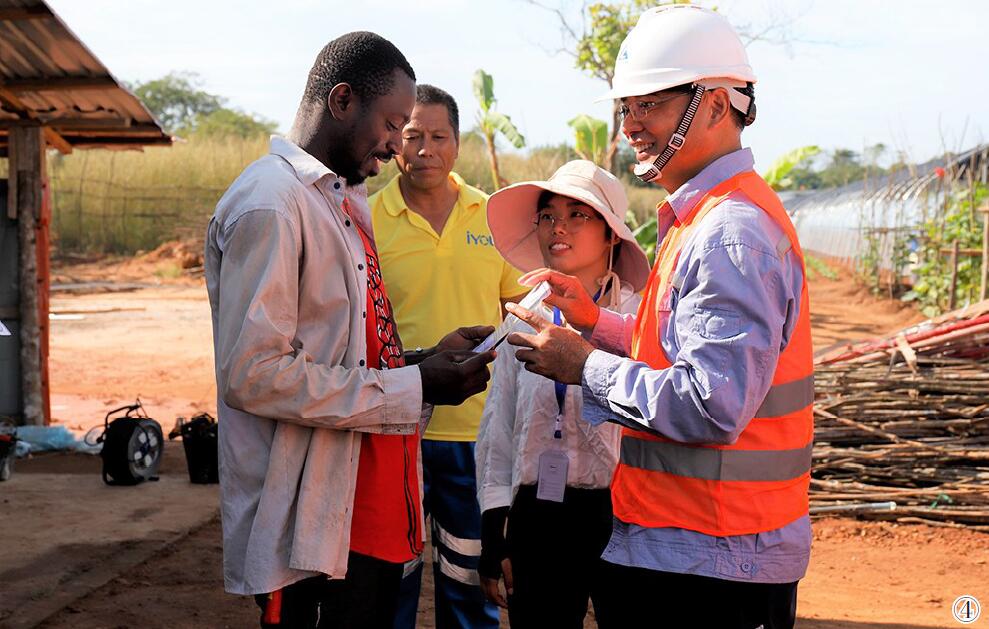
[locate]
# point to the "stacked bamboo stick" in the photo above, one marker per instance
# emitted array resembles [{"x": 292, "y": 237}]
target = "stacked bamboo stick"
[{"x": 905, "y": 419}]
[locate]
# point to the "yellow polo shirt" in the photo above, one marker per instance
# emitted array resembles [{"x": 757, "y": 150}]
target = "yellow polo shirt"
[{"x": 440, "y": 282}]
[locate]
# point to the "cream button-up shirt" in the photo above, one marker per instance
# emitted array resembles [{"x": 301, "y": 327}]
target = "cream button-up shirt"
[{"x": 287, "y": 280}]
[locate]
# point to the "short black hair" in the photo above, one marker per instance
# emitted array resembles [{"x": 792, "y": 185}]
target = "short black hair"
[
  {"x": 365, "y": 61},
  {"x": 542, "y": 202},
  {"x": 432, "y": 95}
]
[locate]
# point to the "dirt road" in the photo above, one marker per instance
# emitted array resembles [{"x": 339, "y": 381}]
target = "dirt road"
[{"x": 155, "y": 342}]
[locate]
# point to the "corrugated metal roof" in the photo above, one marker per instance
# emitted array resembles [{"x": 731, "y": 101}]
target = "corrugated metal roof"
[{"x": 48, "y": 75}]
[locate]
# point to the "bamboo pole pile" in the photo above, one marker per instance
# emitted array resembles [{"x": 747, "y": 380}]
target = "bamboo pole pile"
[{"x": 905, "y": 419}]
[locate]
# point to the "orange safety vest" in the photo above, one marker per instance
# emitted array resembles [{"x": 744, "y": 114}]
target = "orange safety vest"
[{"x": 760, "y": 482}]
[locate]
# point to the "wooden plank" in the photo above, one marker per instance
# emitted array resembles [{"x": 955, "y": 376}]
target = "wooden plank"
[
  {"x": 56, "y": 141},
  {"x": 11, "y": 179},
  {"x": 11, "y": 101},
  {"x": 144, "y": 131},
  {"x": 113, "y": 122},
  {"x": 985, "y": 252},
  {"x": 908, "y": 354},
  {"x": 60, "y": 84},
  {"x": 954, "y": 275},
  {"x": 964, "y": 251},
  {"x": 39, "y": 12},
  {"x": 28, "y": 145}
]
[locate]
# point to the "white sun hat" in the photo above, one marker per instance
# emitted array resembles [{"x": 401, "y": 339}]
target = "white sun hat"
[{"x": 512, "y": 211}]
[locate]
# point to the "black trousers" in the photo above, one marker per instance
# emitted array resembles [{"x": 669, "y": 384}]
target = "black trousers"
[
  {"x": 555, "y": 550},
  {"x": 366, "y": 599},
  {"x": 636, "y": 597}
]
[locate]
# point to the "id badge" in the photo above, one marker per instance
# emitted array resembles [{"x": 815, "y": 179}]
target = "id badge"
[{"x": 552, "y": 483}]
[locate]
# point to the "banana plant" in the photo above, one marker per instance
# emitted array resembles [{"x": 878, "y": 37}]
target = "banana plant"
[
  {"x": 491, "y": 122},
  {"x": 646, "y": 235},
  {"x": 590, "y": 138},
  {"x": 778, "y": 175}
]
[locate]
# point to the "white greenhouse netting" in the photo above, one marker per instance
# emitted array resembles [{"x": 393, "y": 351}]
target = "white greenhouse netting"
[{"x": 837, "y": 222}]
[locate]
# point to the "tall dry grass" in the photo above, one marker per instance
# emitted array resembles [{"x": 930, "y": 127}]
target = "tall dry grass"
[{"x": 127, "y": 201}]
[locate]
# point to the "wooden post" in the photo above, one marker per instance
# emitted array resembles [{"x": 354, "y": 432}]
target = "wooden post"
[
  {"x": 985, "y": 251},
  {"x": 27, "y": 144},
  {"x": 954, "y": 275}
]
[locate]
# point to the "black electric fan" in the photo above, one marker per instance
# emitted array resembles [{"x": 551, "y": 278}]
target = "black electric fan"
[{"x": 132, "y": 446}]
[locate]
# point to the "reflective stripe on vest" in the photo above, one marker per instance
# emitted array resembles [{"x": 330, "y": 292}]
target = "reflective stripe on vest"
[
  {"x": 716, "y": 464},
  {"x": 787, "y": 398},
  {"x": 760, "y": 482}
]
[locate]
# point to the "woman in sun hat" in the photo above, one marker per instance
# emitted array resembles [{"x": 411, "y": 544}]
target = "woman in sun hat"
[{"x": 538, "y": 467}]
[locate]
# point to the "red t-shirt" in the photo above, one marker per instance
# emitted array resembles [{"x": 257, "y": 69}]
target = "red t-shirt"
[{"x": 386, "y": 504}]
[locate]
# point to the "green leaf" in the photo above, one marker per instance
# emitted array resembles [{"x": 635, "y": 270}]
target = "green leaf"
[
  {"x": 778, "y": 174},
  {"x": 646, "y": 235},
  {"x": 502, "y": 123},
  {"x": 590, "y": 137},
  {"x": 484, "y": 90}
]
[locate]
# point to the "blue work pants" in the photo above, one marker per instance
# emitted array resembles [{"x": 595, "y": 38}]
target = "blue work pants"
[{"x": 450, "y": 502}]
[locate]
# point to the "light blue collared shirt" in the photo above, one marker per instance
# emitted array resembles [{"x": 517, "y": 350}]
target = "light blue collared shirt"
[{"x": 734, "y": 312}]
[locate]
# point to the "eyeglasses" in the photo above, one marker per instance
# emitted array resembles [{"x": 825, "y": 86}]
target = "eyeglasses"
[
  {"x": 546, "y": 221},
  {"x": 640, "y": 110}
]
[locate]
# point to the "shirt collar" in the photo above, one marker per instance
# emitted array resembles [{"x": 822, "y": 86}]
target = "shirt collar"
[
  {"x": 307, "y": 168},
  {"x": 685, "y": 198},
  {"x": 395, "y": 204}
]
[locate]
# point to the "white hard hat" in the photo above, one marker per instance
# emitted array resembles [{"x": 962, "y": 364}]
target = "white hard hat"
[{"x": 678, "y": 45}]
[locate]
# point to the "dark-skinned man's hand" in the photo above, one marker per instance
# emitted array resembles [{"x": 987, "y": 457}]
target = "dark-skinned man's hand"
[
  {"x": 554, "y": 352},
  {"x": 568, "y": 295},
  {"x": 491, "y": 588},
  {"x": 449, "y": 377},
  {"x": 464, "y": 338},
  {"x": 461, "y": 339}
]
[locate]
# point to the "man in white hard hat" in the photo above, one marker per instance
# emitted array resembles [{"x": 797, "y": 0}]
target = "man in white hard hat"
[{"x": 713, "y": 378}]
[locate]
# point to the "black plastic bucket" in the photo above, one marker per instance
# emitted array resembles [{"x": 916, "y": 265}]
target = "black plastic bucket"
[
  {"x": 8, "y": 451},
  {"x": 200, "y": 443}
]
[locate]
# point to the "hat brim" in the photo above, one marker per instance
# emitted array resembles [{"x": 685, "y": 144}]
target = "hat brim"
[{"x": 511, "y": 215}]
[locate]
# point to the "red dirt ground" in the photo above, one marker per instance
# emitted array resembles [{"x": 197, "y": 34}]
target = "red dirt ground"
[{"x": 862, "y": 575}]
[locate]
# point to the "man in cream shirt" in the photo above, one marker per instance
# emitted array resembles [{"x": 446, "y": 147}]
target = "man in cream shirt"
[{"x": 319, "y": 414}]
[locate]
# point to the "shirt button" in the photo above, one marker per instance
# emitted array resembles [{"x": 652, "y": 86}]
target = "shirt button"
[
  {"x": 746, "y": 567},
  {"x": 362, "y": 362},
  {"x": 336, "y": 185},
  {"x": 360, "y": 267},
  {"x": 347, "y": 222},
  {"x": 364, "y": 315}
]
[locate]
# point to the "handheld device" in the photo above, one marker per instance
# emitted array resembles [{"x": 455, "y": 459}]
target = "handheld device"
[{"x": 530, "y": 302}]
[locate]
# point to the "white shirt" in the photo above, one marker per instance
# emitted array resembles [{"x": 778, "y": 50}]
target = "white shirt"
[{"x": 518, "y": 424}]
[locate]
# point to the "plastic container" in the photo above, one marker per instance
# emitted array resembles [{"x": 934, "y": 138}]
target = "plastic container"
[
  {"x": 199, "y": 439},
  {"x": 8, "y": 452}
]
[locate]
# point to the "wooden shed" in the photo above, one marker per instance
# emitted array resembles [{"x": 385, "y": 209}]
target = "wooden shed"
[{"x": 54, "y": 94}]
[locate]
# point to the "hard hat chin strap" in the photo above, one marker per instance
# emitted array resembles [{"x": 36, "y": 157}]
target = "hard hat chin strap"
[{"x": 647, "y": 171}]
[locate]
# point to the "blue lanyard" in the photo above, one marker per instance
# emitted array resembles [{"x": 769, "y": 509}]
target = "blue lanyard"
[{"x": 561, "y": 388}]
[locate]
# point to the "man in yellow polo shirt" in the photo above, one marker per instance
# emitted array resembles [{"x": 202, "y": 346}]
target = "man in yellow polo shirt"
[{"x": 442, "y": 271}]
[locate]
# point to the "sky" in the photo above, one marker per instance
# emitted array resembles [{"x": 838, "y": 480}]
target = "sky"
[{"x": 911, "y": 75}]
